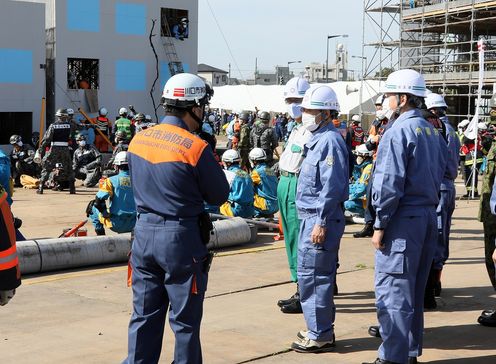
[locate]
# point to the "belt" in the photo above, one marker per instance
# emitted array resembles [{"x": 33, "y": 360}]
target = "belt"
[
  {"x": 156, "y": 218},
  {"x": 287, "y": 174},
  {"x": 60, "y": 144}
]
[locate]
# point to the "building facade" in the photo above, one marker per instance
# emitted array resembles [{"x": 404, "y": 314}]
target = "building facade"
[
  {"x": 98, "y": 52},
  {"x": 215, "y": 76},
  {"x": 439, "y": 39}
]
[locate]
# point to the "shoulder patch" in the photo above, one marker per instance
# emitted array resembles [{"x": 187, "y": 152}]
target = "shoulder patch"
[
  {"x": 330, "y": 160},
  {"x": 167, "y": 143}
]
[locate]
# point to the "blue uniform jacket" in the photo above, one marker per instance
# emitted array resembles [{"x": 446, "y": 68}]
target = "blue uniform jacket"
[
  {"x": 5, "y": 174},
  {"x": 241, "y": 188},
  {"x": 359, "y": 187},
  {"x": 173, "y": 172},
  {"x": 118, "y": 188},
  {"x": 268, "y": 186},
  {"x": 411, "y": 161},
  {"x": 323, "y": 180},
  {"x": 453, "y": 157}
]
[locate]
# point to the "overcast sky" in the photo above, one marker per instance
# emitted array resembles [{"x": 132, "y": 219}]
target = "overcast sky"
[{"x": 276, "y": 32}]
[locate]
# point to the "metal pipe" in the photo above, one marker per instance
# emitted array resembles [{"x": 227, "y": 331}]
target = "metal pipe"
[
  {"x": 270, "y": 225},
  {"x": 44, "y": 255}
]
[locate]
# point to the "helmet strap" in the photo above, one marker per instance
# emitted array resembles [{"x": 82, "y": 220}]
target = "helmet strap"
[{"x": 196, "y": 117}]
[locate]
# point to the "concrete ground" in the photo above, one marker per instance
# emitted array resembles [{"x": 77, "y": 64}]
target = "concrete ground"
[{"x": 81, "y": 316}]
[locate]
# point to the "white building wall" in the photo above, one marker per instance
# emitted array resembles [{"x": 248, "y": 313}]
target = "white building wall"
[{"x": 22, "y": 50}]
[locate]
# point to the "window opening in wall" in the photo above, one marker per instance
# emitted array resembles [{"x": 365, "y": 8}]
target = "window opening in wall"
[
  {"x": 20, "y": 123},
  {"x": 174, "y": 23},
  {"x": 83, "y": 73}
]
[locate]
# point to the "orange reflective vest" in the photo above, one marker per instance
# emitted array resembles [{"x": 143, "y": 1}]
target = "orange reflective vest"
[{"x": 10, "y": 275}]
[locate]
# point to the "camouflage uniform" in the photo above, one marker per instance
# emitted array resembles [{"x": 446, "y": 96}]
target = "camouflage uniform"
[
  {"x": 263, "y": 136},
  {"x": 57, "y": 138},
  {"x": 87, "y": 163},
  {"x": 485, "y": 215},
  {"x": 244, "y": 146}
]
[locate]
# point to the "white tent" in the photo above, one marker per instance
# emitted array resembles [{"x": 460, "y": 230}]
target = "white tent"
[{"x": 270, "y": 98}]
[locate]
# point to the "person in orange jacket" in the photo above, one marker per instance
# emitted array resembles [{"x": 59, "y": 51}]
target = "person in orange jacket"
[{"x": 10, "y": 274}]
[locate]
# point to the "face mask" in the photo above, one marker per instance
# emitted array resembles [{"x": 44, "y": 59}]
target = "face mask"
[
  {"x": 294, "y": 110},
  {"x": 82, "y": 143},
  {"x": 309, "y": 122},
  {"x": 359, "y": 160}
]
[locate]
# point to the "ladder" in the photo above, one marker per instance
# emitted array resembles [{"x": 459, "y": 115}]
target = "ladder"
[{"x": 174, "y": 63}]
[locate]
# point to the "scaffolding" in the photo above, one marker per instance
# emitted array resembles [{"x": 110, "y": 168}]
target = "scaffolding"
[
  {"x": 380, "y": 38},
  {"x": 439, "y": 38}
]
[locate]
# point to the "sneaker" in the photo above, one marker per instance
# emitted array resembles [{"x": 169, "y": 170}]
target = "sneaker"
[
  {"x": 311, "y": 346},
  {"x": 302, "y": 334}
]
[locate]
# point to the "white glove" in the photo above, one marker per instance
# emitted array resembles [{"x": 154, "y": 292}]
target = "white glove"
[{"x": 6, "y": 296}]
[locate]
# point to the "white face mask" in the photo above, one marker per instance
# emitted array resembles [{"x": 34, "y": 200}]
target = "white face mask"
[
  {"x": 359, "y": 160},
  {"x": 309, "y": 122},
  {"x": 294, "y": 110},
  {"x": 82, "y": 143}
]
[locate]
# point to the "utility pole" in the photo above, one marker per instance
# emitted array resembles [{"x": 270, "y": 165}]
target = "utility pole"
[
  {"x": 229, "y": 79},
  {"x": 256, "y": 61}
]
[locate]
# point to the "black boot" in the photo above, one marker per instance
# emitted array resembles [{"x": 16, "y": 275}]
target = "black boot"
[
  {"x": 374, "y": 331},
  {"x": 367, "y": 231},
  {"x": 39, "y": 191},
  {"x": 488, "y": 318},
  {"x": 429, "y": 297},
  {"x": 72, "y": 188},
  {"x": 295, "y": 297},
  {"x": 100, "y": 232},
  {"x": 380, "y": 361},
  {"x": 293, "y": 307}
]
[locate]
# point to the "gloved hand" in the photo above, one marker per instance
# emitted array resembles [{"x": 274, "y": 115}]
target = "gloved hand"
[{"x": 6, "y": 296}]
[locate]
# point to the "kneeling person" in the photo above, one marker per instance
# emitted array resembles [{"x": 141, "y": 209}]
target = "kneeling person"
[
  {"x": 87, "y": 162},
  {"x": 121, "y": 213},
  {"x": 265, "y": 184},
  {"x": 240, "y": 201},
  {"x": 357, "y": 199}
]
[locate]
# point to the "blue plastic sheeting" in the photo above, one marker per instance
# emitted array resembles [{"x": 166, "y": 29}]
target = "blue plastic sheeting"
[
  {"x": 130, "y": 19},
  {"x": 83, "y": 15},
  {"x": 16, "y": 66},
  {"x": 130, "y": 75}
]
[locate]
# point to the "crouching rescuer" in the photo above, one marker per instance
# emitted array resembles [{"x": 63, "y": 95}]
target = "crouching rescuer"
[
  {"x": 169, "y": 258},
  {"x": 120, "y": 216}
]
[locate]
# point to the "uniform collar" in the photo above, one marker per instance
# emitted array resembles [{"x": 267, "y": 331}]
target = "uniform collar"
[
  {"x": 409, "y": 114},
  {"x": 122, "y": 172},
  {"x": 321, "y": 130},
  {"x": 234, "y": 168},
  {"x": 174, "y": 120}
]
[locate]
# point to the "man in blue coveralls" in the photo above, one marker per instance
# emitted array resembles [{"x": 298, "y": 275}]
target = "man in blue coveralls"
[
  {"x": 265, "y": 184},
  {"x": 169, "y": 258},
  {"x": 121, "y": 214},
  {"x": 240, "y": 201},
  {"x": 437, "y": 107},
  {"x": 410, "y": 164},
  {"x": 321, "y": 192}
]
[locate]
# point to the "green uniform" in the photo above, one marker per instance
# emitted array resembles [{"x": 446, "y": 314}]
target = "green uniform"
[
  {"x": 485, "y": 215},
  {"x": 286, "y": 196}
]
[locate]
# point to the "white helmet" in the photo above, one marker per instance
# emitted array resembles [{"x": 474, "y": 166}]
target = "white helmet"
[
  {"x": 185, "y": 90},
  {"x": 320, "y": 97},
  {"x": 296, "y": 88},
  {"x": 405, "y": 81},
  {"x": 123, "y": 111},
  {"x": 462, "y": 124},
  {"x": 257, "y": 154},
  {"x": 103, "y": 111},
  {"x": 148, "y": 117},
  {"x": 231, "y": 156},
  {"x": 355, "y": 118},
  {"x": 482, "y": 126},
  {"x": 70, "y": 112},
  {"x": 120, "y": 158},
  {"x": 379, "y": 100},
  {"x": 433, "y": 100},
  {"x": 211, "y": 118},
  {"x": 363, "y": 151}
]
